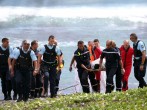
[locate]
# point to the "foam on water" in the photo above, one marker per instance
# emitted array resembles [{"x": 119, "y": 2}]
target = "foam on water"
[{"x": 130, "y": 13}]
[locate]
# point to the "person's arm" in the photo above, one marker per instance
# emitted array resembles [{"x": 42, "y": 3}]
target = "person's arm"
[
  {"x": 12, "y": 69},
  {"x": 100, "y": 63},
  {"x": 85, "y": 68},
  {"x": 142, "y": 48},
  {"x": 39, "y": 61},
  {"x": 58, "y": 51},
  {"x": 34, "y": 59},
  {"x": 35, "y": 68},
  {"x": 72, "y": 61},
  {"x": 10, "y": 63},
  {"x": 143, "y": 60},
  {"x": 41, "y": 52},
  {"x": 59, "y": 61},
  {"x": 101, "y": 60}
]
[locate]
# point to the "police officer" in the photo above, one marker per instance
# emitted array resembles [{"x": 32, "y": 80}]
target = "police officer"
[
  {"x": 82, "y": 57},
  {"x": 24, "y": 58},
  {"x": 112, "y": 60},
  {"x": 49, "y": 64},
  {"x": 13, "y": 78},
  {"x": 139, "y": 59},
  {"x": 36, "y": 84},
  {"x": 5, "y": 51}
]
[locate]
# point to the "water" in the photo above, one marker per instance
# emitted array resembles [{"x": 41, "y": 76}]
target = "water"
[{"x": 71, "y": 21}]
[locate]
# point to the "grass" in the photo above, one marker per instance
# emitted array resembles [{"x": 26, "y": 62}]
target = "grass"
[{"x": 135, "y": 99}]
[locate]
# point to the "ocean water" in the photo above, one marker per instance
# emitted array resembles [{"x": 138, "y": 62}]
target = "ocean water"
[{"x": 71, "y": 21}]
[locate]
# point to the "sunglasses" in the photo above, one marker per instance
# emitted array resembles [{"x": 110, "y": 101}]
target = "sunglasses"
[{"x": 26, "y": 44}]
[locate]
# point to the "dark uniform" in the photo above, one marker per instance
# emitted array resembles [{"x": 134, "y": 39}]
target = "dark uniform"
[
  {"x": 118, "y": 75},
  {"x": 23, "y": 72},
  {"x": 36, "y": 82},
  {"x": 83, "y": 57},
  {"x": 139, "y": 75},
  {"x": 48, "y": 66},
  {"x": 112, "y": 58},
  {"x": 4, "y": 72}
]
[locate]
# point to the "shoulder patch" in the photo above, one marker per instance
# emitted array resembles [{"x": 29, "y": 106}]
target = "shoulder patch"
[{"x": 142, "y": 46}]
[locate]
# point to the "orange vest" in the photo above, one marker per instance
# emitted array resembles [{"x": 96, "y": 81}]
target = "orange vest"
[{"x": 91, "y": 55}]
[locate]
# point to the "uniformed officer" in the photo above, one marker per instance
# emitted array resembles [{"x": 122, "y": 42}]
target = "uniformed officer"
[
  {"x": 112, "y": 60},
  {"x": 118, "y": 77},
  {"x": 24, "y": 58},
  {"x": 82, "y": 57},
  {"x": 36, "y": 83},
  {"x": 139, "y": 59},
  {"x": 50, "y": 53},
  {"x": 5, "y": 51},
  {"x": 13, "y": 78}
]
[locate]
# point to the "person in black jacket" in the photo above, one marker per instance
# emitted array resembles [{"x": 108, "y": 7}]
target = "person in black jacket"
[
  {"x": 82, "y": 58},
  {"x": 112, "y": 59}
]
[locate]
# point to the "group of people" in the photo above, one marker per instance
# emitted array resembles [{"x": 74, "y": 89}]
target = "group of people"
[
  {"x": 118, "y": 62},
  {"x": 28, "y": 71}
]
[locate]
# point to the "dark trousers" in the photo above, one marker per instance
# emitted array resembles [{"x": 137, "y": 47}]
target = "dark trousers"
[
  {"x": 50, "y": 75},
  {"x": 93, "y": 81},
  {"x": 23, "y": 83},
  {"x": 57, "y": 81},
  {"x": 36, "y": 84},
  {"x": 118, "y": 79},
  {"x": 110, "y": 72},
  {"x": 5, "y": 81},
  {"x": 13, "y": 81},
  {"x": 83, "y": 76},
  {"x": 139, "y": 75}
]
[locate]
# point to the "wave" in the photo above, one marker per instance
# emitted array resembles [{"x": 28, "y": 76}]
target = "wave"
[
  {"x": 45, "y": 15},
  {"x": 47, "y": 3}
]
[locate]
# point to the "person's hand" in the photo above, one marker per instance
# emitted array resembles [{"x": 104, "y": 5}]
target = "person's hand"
[
  {"x": 12, "y": 73},
  {"x": 10, "y": 67},
  {"x": 122, "y": 71},
  {"x": 141, "y": 67},
  {"x": 35, "y": 72},
  {"x": 89, "y": 70},
  {"x": 70, "y": 68}
]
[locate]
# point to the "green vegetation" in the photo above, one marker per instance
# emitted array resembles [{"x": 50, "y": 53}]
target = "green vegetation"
[{"x": 131, "y": 100}]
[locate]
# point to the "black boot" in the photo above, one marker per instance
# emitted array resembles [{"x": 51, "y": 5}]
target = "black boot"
[
  {"x": 5, "y": 96},
  {"x": 9, "y": 96},
  {"x": 32, "y": 94},
  {"x": 108, "y": 89},
  {"x": 36, "y": 93},
  {"x": 15, "y": 96},
  {"x": 19, "y": 98},
  {"x": 40, "y": 92}
]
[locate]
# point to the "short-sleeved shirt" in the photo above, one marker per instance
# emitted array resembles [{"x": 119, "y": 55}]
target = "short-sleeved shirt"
[
  {"x": 141, "y": 46},
  {"x": 42, "y": 50},
  {"x": 112, "y": 57},
  {"x": 10, "y": 49},
  {"x": 16, "y": 54}
]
